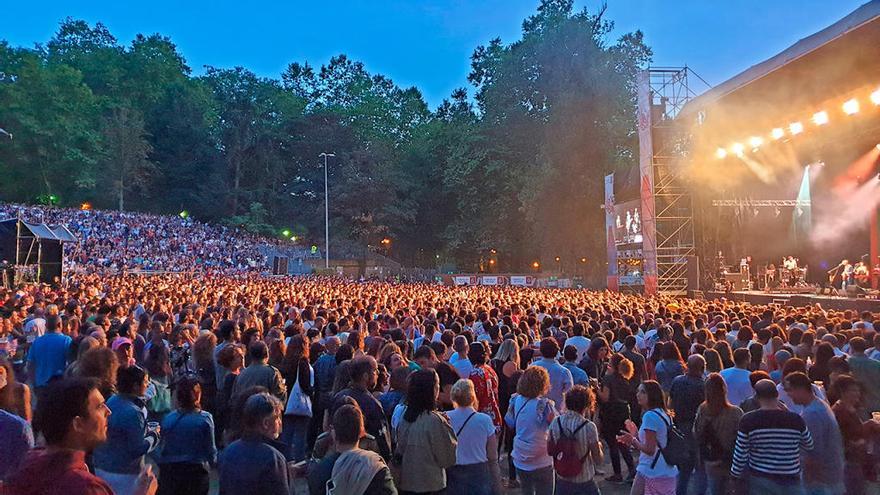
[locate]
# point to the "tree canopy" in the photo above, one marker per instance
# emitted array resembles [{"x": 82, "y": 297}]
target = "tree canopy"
[{"x": 512, "y": 165}]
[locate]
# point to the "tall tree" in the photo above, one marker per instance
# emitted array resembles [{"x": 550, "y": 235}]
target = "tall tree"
[{"x": 126, "y": 149}]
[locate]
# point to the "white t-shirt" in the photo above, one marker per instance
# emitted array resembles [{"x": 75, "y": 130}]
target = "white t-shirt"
[
  {"x": 473, "y": 437},
  {"x": 651, "y": 421},
  {"x": 580, "y": 343},
  {"x": 739, "y": 387}
]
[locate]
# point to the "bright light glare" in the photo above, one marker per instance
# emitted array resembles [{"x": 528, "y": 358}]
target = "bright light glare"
[
  {"x": 720, "y": 153},
  {"x": 796, "y": 128},
  {"x": 737, "y": 149},
  {"x": 777, "y": 133},
  {"x": 755, "y": 142},
  {"x": 875, "y": 97},
  {"x": 820, "y": 118},
  {"x": 851, "y": 106}
]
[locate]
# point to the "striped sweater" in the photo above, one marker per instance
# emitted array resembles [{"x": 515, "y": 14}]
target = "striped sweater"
[{"x": 768, "y": 444}]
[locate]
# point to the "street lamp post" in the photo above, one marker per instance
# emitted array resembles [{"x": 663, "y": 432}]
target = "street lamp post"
[{"x": 326, "y": 213}]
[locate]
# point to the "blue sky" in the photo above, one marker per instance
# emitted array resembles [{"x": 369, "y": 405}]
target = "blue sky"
[{"x": 426, "y": 43}]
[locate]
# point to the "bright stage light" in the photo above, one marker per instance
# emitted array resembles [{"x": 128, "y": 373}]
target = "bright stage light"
[
  {"x": 875, "y": 97},
  {"x": 777, "y": 133},
  {"x": 737, "y": 149},
  {"x": 796, "y": 128},
  {"x": 851, "y": 106},
  {"x": 820, "y": 118},
  {"x": 720, "y": 153},
  {"x": 878, "y": 146},
  {"x": 755, "y": 142}
]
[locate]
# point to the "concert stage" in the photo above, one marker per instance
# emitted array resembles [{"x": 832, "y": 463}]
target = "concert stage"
[{"x": 798, "y": 300}]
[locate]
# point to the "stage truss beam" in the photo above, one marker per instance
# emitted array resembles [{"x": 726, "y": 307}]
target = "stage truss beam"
[{"x": 674, "y": 220}]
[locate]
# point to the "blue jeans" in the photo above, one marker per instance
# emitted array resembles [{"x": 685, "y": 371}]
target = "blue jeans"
[
  {"x": 716, "y": 485},
  {"x": 470, "y": 479},
  {"x": 294, "y": 433},
  {"x": 758, "y": 485},
  {"x": 537, "y": 482},
  {"x": 568, "y": 488}
]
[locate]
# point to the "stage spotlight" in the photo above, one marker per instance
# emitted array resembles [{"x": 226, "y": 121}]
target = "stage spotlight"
[
  {"x": 755, "y": 142},
  {"x": 720, "y": 153},
  {"x": 878, "y": 146},
  {"x": 875, "y": 97},
  {"x": 820, "y": 118},
  {"x": 737, "y": 149},
  {"x": 796, "y": 128},
  {"x": 777, "y": 133},
  {"x": 851, "y": 106}
]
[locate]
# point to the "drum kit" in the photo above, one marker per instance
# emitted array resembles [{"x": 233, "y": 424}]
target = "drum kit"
[{"x": 788, "y": 276}]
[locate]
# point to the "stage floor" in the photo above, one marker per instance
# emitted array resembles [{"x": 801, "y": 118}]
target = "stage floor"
[{"x": 826, "y": 301}]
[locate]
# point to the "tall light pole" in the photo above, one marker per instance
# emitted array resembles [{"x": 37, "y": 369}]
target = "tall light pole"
[{"x": 326, "y": 213}]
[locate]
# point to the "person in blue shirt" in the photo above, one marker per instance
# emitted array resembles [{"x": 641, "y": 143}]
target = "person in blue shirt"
[
  {"x": 252, "y": 464},
  {"x": 187, "y": 450},
  {"x": 47, "y": 358},
  {"x": 16, "y": 439},
  {"x": 579, "y": 376},
  {"x": 120, "y": 460},
  {"x": 560, "y": 378}
]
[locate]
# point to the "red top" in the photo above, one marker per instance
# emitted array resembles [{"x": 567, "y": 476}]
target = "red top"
[
  {"x": 486, "y": 388},
  {"x": 55, "y": 471}
]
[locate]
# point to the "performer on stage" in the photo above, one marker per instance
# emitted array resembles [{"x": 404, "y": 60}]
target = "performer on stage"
[
  {"x": 790, "y": 263},
  {"x": 847, "y": 274},
  {"x": 862, "y": 274}
]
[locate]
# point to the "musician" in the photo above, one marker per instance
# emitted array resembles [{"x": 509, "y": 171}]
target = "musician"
[
  {"x": 847, "y": 274},
  {"x": 770, "y": 275},
  {"x": 861, "y": 274},
  {"x": 790, "y": 263}
]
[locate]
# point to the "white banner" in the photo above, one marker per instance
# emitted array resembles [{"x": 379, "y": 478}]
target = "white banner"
[
  {"x": 489, "y": 281},
  {"x": 461, "y": 280},
  {"x": 519, "y": 280}
]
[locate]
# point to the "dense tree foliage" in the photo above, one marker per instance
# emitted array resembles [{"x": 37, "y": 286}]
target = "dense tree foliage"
[{"x": 515, "y": 167}]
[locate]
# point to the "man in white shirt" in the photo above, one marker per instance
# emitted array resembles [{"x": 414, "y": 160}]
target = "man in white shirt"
[
  {"x": 36, "y": 326},
  {"x": 578, "y": 341},
  {"x": 739, "y": 388}
]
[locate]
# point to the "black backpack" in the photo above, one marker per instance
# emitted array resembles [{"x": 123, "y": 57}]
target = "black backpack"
[{"x": 676, "y": 452}]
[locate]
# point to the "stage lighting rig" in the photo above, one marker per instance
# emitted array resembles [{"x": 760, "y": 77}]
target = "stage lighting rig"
[
  {"x": 737, "y": 149},
  {"x": 851, "y": 107}
]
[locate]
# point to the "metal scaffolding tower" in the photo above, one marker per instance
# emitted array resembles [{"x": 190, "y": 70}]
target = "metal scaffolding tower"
[{"x": 670, "y": 90}]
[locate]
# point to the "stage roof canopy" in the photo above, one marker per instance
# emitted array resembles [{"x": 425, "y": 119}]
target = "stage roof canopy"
[
  {"x": 39, "y": 230},
  {"x": 817, "y": 73}
]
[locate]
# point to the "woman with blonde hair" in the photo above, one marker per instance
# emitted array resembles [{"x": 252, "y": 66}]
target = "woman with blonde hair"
[
  {"x": 529, "y": 415},
  {"x": 476, "y": 469}
]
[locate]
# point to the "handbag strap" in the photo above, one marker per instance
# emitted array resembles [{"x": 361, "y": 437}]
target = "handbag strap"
[
  {"x": 458, "y": 433},
  {"x": 516, "y": 416},
  {"x": 659, "y": 448}
]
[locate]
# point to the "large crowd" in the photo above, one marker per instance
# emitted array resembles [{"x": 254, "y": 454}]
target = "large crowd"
[
  {"x": 114, "y": 241},
  {"x": 133, "y": 384}
]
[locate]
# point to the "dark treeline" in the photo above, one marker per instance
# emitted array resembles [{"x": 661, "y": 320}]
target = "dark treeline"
[{"x": 515, "y": 166}]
